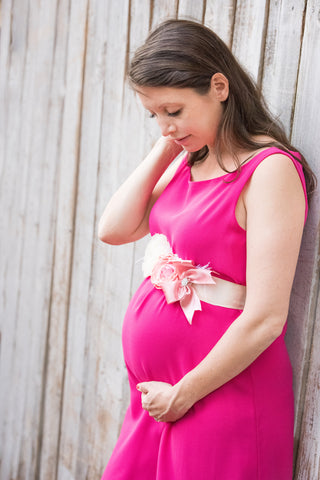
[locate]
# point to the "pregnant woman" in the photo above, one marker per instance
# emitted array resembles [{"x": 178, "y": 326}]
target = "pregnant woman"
[{"x": 203, "y": 336}]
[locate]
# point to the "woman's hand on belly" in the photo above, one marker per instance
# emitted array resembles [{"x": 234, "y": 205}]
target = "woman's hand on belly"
[{"x": 162, "y": 401}]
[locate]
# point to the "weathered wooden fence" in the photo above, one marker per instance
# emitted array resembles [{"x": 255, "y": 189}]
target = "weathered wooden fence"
[{"x": 71, "y": 130}]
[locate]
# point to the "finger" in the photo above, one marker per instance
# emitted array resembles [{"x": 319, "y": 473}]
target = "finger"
[
  {"x": 155, "y": 417},
  {"x": 144, "y": 402},
  {"x": 142, "y": 387}
]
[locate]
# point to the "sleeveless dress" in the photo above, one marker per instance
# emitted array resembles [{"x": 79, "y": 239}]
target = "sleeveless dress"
[{"x": 244, "y": 429}]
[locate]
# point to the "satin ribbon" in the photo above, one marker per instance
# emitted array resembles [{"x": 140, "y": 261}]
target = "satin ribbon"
[
  {"x": 176, "y": 278},
  {"x": 182, "y": 281}
]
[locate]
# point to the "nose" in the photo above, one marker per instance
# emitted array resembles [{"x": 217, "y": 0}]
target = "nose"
[{"x": 166, "y": 126}]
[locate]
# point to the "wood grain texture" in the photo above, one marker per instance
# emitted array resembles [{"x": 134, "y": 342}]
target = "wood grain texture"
[
  {"x": 220, "y": 17},
  {"x": 308, "y": 461},
  {"x": 191, "y": 10},
  {"x": 13, "y": 54},
  {"x": 30, "y": 246},
  {"x": 281, "y": 58},
  {"x": 61, "y": 233},
  {"x": 162, "y": 10},
  {"x": 249, "y": 34},
  {"x": 71, "y": 129},
  {"x": 90, "y": 337},
  {"x": 303, "y": 337}
]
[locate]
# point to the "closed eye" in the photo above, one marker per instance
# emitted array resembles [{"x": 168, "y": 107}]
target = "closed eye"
[
  {"x": 174, "y": 114},
  {"x": 170, "y": 114}
]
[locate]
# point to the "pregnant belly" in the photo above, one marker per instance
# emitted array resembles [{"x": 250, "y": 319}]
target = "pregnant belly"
[{"x": 160, "y": 344}]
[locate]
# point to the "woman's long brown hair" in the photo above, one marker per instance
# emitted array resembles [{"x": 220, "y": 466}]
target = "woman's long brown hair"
[{"x": 185, "y": 54}]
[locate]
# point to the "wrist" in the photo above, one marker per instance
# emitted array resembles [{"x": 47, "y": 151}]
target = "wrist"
[
  {"x": 185, "y": 392},
  {"x": 167, "y": 148}
]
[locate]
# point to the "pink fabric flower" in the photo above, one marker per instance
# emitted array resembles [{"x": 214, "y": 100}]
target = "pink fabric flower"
[{"x": 175, "y": 277}]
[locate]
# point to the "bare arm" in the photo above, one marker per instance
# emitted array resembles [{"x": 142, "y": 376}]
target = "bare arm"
[
  {"x": 275, "y": 206},
  {"x": 126, "y": 216}
]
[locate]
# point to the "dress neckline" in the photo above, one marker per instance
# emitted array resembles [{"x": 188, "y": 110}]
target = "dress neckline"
[{"x": 234, "y": 172}]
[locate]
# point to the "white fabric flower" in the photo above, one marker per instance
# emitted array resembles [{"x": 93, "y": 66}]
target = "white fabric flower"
[{"x": 157, "y": 246}]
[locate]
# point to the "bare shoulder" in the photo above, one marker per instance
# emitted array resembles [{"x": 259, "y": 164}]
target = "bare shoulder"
[
  {"x": 275, "y": 189},
  {"x": 277, "y": 163},
  {"x": 277, "y": 172}
]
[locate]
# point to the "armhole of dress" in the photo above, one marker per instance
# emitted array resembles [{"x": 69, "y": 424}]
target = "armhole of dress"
[
  {"x": 183, "y": 159},
  {"x": 180, "y": 167},
  {"x": 266, "y": 153},
  {"x": 183, "y": 163}
]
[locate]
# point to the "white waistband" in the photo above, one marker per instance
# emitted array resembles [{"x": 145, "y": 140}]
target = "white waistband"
[
  {"x": 182, "y": 281},
  {"x": 222, "y": 293}
]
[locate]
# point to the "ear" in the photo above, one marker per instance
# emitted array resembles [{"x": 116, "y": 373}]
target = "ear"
[{"x": 220, "y": 86}]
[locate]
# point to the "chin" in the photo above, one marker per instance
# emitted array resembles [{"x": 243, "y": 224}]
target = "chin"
[{"x": 192, "y": 149}]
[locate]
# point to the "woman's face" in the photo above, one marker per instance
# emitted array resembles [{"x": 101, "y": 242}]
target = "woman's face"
[{"x": 183, "y": 115}]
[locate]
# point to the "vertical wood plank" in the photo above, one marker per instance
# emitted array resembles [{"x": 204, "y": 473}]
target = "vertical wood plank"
[
  {"x": 219, "y": 16},
  {"x": 14, "y": 31},
  {"x": 249, "y": 34},
  {"x": 31, "y": 243},
  {"x": 61, "y": 232},
  {"x": 280, "y": 67},
  {"x": 6, "y": 37},
  {"x": 103, "y": 406},
  {"x": 191, "y": 10},
  {"x": 308, "y": 462},
  {"x": 90, "y": 421},
  {"x": 304, "y": 324},
  {"x": 162, "y": 10},
  {"x": 13, "y": 54}
]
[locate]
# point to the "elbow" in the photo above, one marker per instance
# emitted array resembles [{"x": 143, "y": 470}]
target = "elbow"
[
  {"x": 109, "y": 239},
  {"x": 275, "y": 327},
  {"x": 111, "y": 236},
  {"x": 268, "y": 325},
  {"x": 102, "y": 233},
  {"x": 273, "y": 324},
  {"x": 107, "y": 230},
  {"x": 105, "y": 235}
]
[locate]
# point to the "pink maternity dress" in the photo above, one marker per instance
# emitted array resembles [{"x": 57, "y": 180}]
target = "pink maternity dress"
[{"x": 244, "y": 429}]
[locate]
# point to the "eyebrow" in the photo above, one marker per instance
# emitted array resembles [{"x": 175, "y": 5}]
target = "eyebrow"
[
  {"x": 162, "y": 105},
  {"x": 168, "y": 104}
]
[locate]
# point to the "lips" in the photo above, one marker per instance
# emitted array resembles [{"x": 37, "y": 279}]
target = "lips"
[{"x": 182, "y": 140}]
